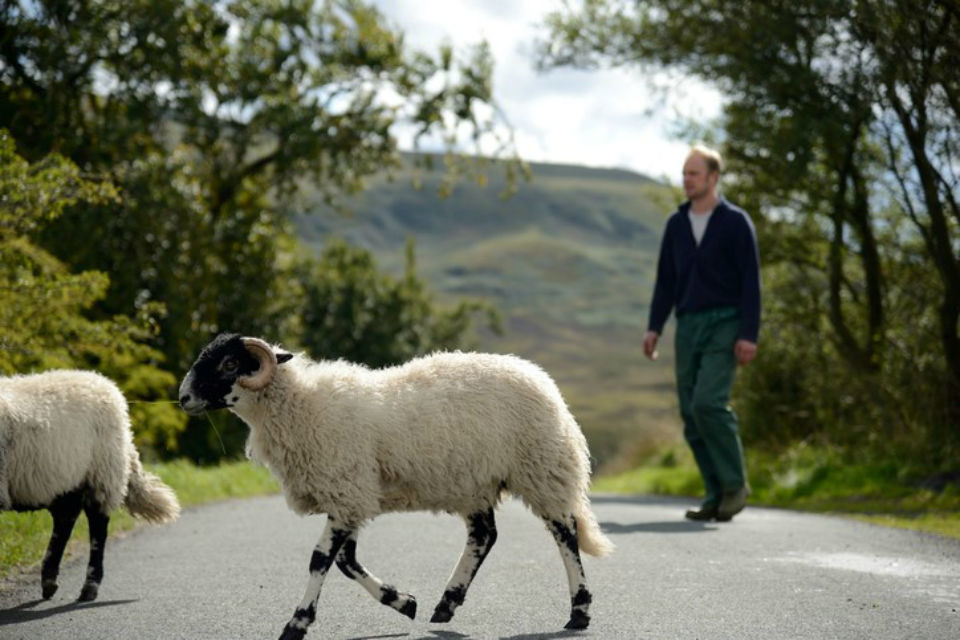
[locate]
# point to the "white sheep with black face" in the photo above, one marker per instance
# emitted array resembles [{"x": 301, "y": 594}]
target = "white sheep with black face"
[
  {"x": 448, "y": 432},
  {"x": 66, "y": 446}
]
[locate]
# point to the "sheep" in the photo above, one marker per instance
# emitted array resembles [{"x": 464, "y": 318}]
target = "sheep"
[
  {"x": 449, "y": 432},
  {"x": 66, "y": 446}
]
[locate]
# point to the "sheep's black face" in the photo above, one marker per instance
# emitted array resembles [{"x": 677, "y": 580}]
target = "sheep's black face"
[{"x": 210, "y": 382}]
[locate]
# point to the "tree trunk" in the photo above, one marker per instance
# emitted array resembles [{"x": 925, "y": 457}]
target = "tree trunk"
[
  {"x": 938, "y": 241},
  {"x": 861, "y": 352}
]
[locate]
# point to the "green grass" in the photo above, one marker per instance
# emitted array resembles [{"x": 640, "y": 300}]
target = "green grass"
[
  {"x": 671, "y": 481},
  {"x": 25, "y": 535},
  {"x": 816, "y": 480}
]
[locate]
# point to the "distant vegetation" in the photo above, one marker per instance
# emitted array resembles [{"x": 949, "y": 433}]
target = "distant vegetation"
[{"x": 568, "y": 261}]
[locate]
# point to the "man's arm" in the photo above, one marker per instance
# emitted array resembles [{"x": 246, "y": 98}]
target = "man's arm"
[
  {"x": 744, "y": 351},
  {"x": 663, "y": 290},
  {"x": 750, "y": 297},
  {"x": 650, "y": 345}
]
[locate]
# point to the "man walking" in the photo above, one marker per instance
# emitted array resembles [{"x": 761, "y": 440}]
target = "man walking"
[{"x": 709, "y": 273}]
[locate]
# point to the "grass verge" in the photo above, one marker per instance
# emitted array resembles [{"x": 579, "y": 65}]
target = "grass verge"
[
  {"x": 24, "y": 536},
  {"x": 817, "y": 480},
  {"x": 802, "y": 478}
]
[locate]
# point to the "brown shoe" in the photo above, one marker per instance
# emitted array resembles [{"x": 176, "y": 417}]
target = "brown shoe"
[
  {"x": 733, "y": 503},
  {"x": 703, "y": 514}
]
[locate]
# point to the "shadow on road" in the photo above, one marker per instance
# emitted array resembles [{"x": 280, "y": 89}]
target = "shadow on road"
[
  {"x": 25, "y": 613},
  {"x": 679, "y": 526},
  {"x": 453, "y": 635},
  {"x": 545, "y": 636}
]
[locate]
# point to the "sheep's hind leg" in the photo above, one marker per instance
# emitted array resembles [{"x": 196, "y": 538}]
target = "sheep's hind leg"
[
  {"x": 383, "y": 593},
  {"x": 564, "y": 531},
  {"x": 65, "y": 509},
  {"x": 334, "y": 535},
  {"x": 482, "y": 533},
  {"x": 97, "y": 521}
]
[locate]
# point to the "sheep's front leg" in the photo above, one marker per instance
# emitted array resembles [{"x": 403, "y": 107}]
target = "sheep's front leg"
[
  {"x": 64, "y": 510},
  {"x": 482, "y": 533},
  {"x": 334, "y": 535},
  {"x": 564, "y": 531},
  {"x": 383, "y": 593},
  {"x": 98, "y": 522}
]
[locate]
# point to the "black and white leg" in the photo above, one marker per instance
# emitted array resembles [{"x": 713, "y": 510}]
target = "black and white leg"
[
  {"x": 98, "y": 522},
  {"x": 65, "y": 509},
  {"x": 383, "y": 593},
  {"x": 334, "y": 535},
  {"x": 481, "y": 534},
  {"x": 564, "y": 531}
]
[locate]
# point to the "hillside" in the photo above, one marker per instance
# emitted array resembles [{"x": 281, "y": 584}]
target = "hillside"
[{"x": 569, "y": 260}]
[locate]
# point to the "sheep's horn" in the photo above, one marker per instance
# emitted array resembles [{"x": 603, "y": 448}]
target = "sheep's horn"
[{"x": 268, "y": 365}]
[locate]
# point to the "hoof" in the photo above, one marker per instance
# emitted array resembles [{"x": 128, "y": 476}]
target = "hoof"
[
  {"x": 48, "y": 590},
  {"x": 441, "y": 614},
  {"x": 410, "y": 608},
  {"x": 89, "y": 592},
  {"x": 578, "y": 620},
  {"x": 291, "y": 633}
]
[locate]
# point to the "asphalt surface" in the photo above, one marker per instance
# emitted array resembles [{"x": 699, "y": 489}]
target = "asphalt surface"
[{"x": 237, "y": 570}]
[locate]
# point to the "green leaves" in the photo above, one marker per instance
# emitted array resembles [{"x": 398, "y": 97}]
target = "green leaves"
[
  {"x": 839, "y": 131},
  {"x": 33, "y": 195},
  {"x": 353, "y": 311},
  {"x": 45, "y": 309},
  {"x": 190, "y": 127}
]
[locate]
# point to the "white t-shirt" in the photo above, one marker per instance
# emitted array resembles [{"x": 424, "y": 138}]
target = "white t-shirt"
[{"x": 699, "y": 223}]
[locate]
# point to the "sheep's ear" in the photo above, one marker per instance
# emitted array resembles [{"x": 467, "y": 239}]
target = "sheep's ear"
[{"x": 283, "y": 357}]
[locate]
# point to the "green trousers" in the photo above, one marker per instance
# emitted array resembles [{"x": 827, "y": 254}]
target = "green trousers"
[{"x": 706, "y": 367}]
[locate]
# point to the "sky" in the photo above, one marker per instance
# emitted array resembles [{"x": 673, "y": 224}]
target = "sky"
[{"x": 600, "y": 118}]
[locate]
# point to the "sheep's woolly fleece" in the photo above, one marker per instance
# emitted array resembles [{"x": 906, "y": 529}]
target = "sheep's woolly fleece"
[
  {"x": 61, "y": 430},
  {"x": 446, "y": 432}
]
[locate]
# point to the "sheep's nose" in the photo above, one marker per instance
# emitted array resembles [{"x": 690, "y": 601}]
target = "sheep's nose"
[{"x": 191, "y": 406}]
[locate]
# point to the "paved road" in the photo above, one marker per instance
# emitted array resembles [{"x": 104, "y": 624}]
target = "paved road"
[{"x": 236, "y": 570}]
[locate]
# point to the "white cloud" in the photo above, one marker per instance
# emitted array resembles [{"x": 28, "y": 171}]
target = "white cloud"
[{"x": 606, "y": 118}]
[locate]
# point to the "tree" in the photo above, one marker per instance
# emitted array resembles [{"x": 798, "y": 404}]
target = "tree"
[
  {"x": 794, "y": 128},
  {"x": 207, "y": 117},
  {"x": 43, "y": 322},
  {"x": 840, "y": 129},
  {"x": 353, "y": 311},
  {"x": 919, "y": 89}
]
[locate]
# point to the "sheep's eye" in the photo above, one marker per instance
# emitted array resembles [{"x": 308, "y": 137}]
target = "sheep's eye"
[{"x": 229, "y": 365}]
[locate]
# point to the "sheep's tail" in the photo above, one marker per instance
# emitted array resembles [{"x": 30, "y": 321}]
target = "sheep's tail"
[
  {"x": 592, "y": 540},
  {"x": 147, "y": 496}
]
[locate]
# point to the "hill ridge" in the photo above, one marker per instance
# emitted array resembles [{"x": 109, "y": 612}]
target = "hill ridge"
[{"x": 569, "y": 259}]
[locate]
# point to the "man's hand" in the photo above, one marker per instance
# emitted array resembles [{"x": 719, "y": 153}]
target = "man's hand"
[
  {"x": 744, "y": 351},
  {"x": 650, "y": 345}
]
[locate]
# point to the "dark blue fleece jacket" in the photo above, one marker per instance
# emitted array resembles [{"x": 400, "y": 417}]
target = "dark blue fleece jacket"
[{"x": 724, "y": 270}]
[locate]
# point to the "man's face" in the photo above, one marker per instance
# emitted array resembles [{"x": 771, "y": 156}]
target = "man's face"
[{"x": 698, "y": 180}]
